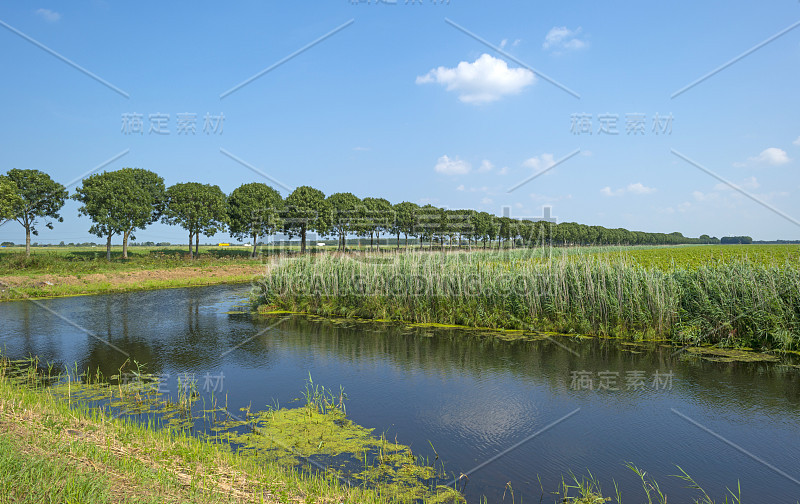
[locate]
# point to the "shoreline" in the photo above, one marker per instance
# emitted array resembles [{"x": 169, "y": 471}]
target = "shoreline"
[{"x": 47, "y": 285}]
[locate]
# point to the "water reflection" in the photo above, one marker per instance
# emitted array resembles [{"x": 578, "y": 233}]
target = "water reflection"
[{"x": 470, "y": 395}]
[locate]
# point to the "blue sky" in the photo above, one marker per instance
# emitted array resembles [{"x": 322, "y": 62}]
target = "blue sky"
[{"x": 402, "y": 104}]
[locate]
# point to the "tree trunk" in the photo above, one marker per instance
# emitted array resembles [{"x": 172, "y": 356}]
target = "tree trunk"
[
  {"x": 108, "y": 247},
  {"x": 197, "y": 244},
  {"x": 302, "y": 239},
  {"x": 27, "y": 238},
  {"x": 125, "y": 244},
  {"x": 255, "y": 244},
  {"x": 191, "y": 235}
]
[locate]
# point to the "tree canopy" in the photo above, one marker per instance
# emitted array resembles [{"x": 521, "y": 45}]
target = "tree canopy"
[
  {"x": 197, "y": 208},
  {"x": 119, "y": 202},
  {"x": 254, "y": 210},
  {"x": 40, "y": 197},
  {"x": 306, "y": 210}
]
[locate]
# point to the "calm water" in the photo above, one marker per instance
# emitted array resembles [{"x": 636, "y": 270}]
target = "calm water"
[{"x": 473, "y": 397}]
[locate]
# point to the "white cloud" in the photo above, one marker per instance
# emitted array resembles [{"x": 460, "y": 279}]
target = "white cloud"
[
  {"x": 561, "y": 38},
  {"x": 454, "y": 166},
  {"x": 48, "y": 15},
  {"x": 639, "y": 188},
  {"x": 772, "y": 156},
  {"x": 503, "y": 43},
  {"x": 796, "y": 142},
  {"x": 635, "y": 188},
  {"x": 460, "y": 188},
  {"x": 539, "y": 163},
  {"x": 486, "y": 80},
  {"x": 503, "y": 171},
  {"x": 486, "y": 166}
]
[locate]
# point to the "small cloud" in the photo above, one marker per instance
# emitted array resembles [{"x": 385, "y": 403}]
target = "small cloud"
[
  {"x": 503, "y": 43},
  {"x": 503, "y": 171},
  {"x": 486, "y": 166},
  {"x": 561, "y": 38},
  {"x": 701, "y": 196},
  {"x": 606, "y": 191},
  {"x": 796, "y": 142},
  {"x": 516, "y": 42},
  {"x": 539, "y": 163},
  {"x": 639, "y": 188},
  {"x": 48, "y": 15},
  {"x": 448, "y": 166},
  {"x": 636, "y": 188},
  {"x": 772, "y": 156},
  {"x": 485, "y": 80},
  {"x": 460, "y": 188}
]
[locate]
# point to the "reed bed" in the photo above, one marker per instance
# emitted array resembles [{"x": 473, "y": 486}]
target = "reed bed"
[{"x": 739, "y": 302}]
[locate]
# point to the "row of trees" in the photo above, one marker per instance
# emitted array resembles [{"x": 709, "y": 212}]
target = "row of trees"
[{"x": 123, "y": 201}]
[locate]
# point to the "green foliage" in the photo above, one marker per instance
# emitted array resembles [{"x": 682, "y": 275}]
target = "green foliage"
[
  {"x": 197, "y": 208},
  {"x": 41, "y": 198},
  {"x": 120, "y": 202},
  {"x": 734, "y": 303},
  {"x": 346, "y": 215},
  {"x": 254, "y": 210},
  {"x": 10, "y": 200},
  {"x": 306, "y": 210}
]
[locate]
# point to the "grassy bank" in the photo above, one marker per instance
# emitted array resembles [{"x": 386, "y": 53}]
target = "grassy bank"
[
  {"x": 58, "y": 445},
  {"x": 73, "y": 271},
  {"x": 738, "y": 300}
]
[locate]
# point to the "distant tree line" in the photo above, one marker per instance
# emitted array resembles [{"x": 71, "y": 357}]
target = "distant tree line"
[
  {"x": 736, "y": 240},
  {"x": 124, "y": 201}
]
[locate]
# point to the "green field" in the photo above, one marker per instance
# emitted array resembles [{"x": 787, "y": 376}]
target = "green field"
[{"x": 742, "y": 296}]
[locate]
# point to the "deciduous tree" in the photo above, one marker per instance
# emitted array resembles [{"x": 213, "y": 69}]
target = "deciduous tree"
[
  {"x": 254, "y": 210},
  {"x": 40, "y": 198}
]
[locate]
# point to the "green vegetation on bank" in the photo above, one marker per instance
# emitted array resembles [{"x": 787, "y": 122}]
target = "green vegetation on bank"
[
  {"x": 66, "y": 271},
  {"x": 91, "y": 441},
  {"x": 735, "y": 300}
]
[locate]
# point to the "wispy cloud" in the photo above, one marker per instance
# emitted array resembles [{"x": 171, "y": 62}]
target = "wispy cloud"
[
  {"x": 48, "y": 15},
  {"x": 539, "y": 163},
  {"x": 487, "y": 79},
  {"x": 561, "y": 39},
  {"x": 772, "y": 156},
  {"x": 634, "y": 188},
  {"x": 455, "y": 166},
  {"x": 486, "y": 166}
]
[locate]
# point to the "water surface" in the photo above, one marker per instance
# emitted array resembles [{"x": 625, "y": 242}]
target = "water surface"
[{"x": 500, "y": 411}]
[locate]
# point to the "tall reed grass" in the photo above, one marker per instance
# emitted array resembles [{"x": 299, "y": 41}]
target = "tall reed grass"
[{"x": 739, "y": 303}]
